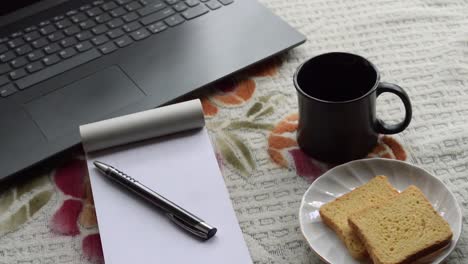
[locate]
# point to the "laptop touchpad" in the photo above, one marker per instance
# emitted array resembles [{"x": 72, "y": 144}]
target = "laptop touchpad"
[{"x": 87, "y": 100}]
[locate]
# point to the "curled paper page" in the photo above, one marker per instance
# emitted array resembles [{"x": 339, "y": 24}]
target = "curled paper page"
[{"x": 143, "y": 125}]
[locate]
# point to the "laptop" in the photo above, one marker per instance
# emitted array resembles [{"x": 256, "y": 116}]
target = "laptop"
[{"x": 64, "y": 63}]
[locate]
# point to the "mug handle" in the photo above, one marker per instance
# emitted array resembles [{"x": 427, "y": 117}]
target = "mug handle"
[{"x": 380, "y": 125}]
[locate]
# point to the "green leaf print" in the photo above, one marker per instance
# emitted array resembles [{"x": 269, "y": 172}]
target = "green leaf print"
[
  {"x": 38, "y": 201},
  {"x": 31, "y": 184},
  {"x": 266, "y": 112},
  {"x": 249, "y": 125},
  {"x": 6, "y": 199},
  {"x": 255, "y": 109},
  {"x": 243, "y": 149},
  {"x": 21, "y": 202},
  {"x": 265, "y": 99},
  {"x": 230, "y": 156},
  {"x": 13, "y": 221}
]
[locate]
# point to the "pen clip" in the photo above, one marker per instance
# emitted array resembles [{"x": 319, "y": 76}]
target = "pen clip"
[{"x": 187, "y": 227}]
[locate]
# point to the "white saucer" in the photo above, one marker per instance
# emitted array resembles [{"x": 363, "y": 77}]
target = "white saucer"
[{"x": 345, "y": 178}]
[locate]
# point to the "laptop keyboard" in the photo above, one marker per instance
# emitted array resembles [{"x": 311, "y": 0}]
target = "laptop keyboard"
[{"x": 64, "y": 42}]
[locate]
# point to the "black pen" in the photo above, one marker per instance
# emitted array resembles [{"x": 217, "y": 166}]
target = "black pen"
[{"x": 176, "y": 213}]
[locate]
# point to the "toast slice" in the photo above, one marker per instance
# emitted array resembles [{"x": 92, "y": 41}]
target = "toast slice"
[
  {"x": 335, "y": 213},
  {"x": 403, "y": 230}
]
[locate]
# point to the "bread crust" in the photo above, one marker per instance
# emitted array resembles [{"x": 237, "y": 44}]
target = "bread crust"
[
  {"x": 330, "y": 223},
  {"x": 340, "y": 234},
  {"x": 410, "y": 258}
]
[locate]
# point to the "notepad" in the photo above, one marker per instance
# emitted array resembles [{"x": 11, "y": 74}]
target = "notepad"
[{"x": 167, "y": 149}]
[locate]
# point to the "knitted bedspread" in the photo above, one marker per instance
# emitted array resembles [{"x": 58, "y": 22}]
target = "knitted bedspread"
[{"x": 422, "y": 45}]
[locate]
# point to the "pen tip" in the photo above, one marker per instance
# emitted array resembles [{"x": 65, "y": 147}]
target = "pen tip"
[{"x": 101, "y": 166}]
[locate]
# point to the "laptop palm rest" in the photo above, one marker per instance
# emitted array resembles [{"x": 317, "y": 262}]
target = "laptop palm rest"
[{"x": 87, "y": 100}]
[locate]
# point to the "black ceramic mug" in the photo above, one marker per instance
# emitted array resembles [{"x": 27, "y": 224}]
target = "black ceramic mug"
[{"x": 337, "y": 93}]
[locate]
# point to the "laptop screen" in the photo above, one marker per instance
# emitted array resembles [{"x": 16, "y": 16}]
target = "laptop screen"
[{"x": 9, "y": 6}]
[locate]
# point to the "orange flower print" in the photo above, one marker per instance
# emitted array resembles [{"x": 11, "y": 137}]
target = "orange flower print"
[
  {"x": 209, "y": 109},
  {"x": 279, "y": 139},
  {"x": 284, "y": 151},
  {"x": 388, "y": 147},
  {"x": 234, "y": 93}
]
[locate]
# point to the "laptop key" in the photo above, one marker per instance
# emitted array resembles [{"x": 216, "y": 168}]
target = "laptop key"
[
  {"x": 195, "y": 12},
  {"x": 157, "y": 16},
  {"x": 109, "y": 6},
  {"x": 130, "y": 17},
  {"x": 123, "y": 41},
  {"x": 100, "y": 29},
  {"x": 87, "y": 24},
  {"x": 23, "y": 49},
  {"x": 4, "y": 80},
  {"x": 171, "y": 2},
  {"x": 40, "y": 43},
  {"x": 52, "y": 59},
  {"x": 140, "y": 34},
  {"x": 58, "y": 68},
  {"x": 7, "y": 56},
  {"x": 34, "y": 67},
  {"x": 44, "y": 23},
  {"x": 118, "y": 12},
  {"x": 213, "y": 4},
  {"x": 30, "y": 28},
  {"x": 103, "y": 18},
  {"x": 117, "y": 22},
  {"x": 192, "y": 3},
  {"x": 85, "y": 7},
  {"x": 52, "y": 48},
  {"x": 157, "y": 27},
  {"x": 174, "y": 20},
  {"x": 19, "y": 62},
  {"x": 179, "y": 7},
  {"x": 16, "y": 34},
  {"x": 84, "y": 35},
  {"x": 115, "y": 33},
  {"x": 71, "y": 30},
  {"x": 16, "y": 74},
  {"x": 68, "y": 42},
  {"x": 58, "y": 18},
  {"x": 122, "y": 2},
  {"x": 47, "y": 30},
  {"x": 56, "y": 36},
  {"x": 98, "y": 2},
  {"x": 108, "y": 48},
  {"x": 15, "y": 43},
  {"x": 4, "y": 68},
  {"x": 78, "y": 18},
  {"x": 67, "y": 53},
  {"x": 71, "y": 12},
  {"x": 151, "y": 8},
  {"x": 31, "y": 36},
  {"x": 100, "y": 40},
  {"x": 63, "y": 23},
  {"x": 35, "y": 55},
  {"x": 132, "y": 26},
  {"x": 147, "y": 2},
  {"x": 226, "y": 2},
  {"x": 94, "y": 11},
  {"x": 84, "y": 46},
  {"x": 7, "y": 90},
  {"x": 3, "y": 48},
  {"x": 133, "y": 6}
]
